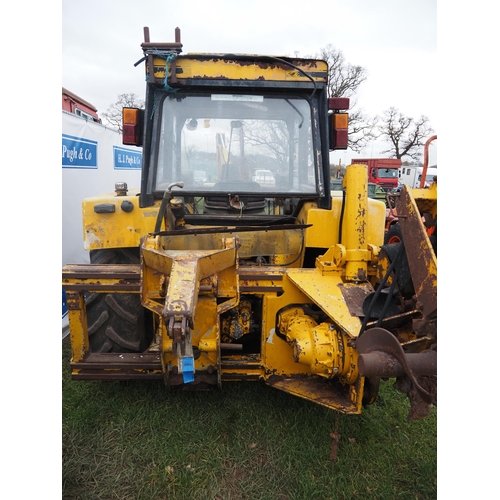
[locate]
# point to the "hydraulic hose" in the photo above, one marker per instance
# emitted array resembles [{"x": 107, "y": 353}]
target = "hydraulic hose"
[
  {"x": 166, "y": 198},
  {"x": 341, "y": 218},
  {"x": 379, "y": 289},
  {"x": 388, "y": 298}
]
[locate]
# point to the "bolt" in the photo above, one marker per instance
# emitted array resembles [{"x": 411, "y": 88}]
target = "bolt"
[{"x": 121, "y": 188}]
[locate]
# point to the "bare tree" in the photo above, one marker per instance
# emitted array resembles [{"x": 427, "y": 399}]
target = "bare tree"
[
  {"x": 361, "y": 129},
  {"x": 406, "y": 134},
  {"x": 113, "y": 115},
  {"x": 271, "y": 136},
  {"x": 344, "y": 80}
]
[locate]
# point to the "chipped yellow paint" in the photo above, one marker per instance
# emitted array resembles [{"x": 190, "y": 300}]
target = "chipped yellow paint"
[
  {"x": 217, "y": 66},
  {"x": 119, "y": 229},
  {"x": 77, "y": 324},
  {"x": 324, "y": 290}
]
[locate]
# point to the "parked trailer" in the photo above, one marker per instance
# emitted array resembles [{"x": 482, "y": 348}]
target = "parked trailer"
[{"x": 411, "y": 176}]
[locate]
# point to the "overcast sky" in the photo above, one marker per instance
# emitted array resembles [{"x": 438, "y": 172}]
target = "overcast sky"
[{"x": 395, "y": 40}]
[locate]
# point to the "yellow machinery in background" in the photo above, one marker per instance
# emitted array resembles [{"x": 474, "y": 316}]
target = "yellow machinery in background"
[{"x": 204, "y": 276}]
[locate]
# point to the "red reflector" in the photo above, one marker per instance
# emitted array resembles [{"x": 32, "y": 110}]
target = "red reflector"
[
  {"x": 338, "y": 103},
  {"x": 341, "y": 139},
  {"x": 131, "y": 135}
]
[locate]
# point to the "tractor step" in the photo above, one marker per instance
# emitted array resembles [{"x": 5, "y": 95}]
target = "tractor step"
[
  {"x": 246, "y": 367},
  {"x": 118, "y": 366},
  {"x": 147, "y": 366}
]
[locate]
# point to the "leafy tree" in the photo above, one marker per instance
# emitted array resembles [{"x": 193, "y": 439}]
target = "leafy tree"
[
  {"x": 113, "y": 115},
  {"x": 406, "y": 134},
  {"x": 344, "y": 80}
]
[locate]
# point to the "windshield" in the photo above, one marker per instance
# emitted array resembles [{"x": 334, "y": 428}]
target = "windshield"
[
  {"x": 388, "y": 173},
  {"x": 236, "y": 143}
]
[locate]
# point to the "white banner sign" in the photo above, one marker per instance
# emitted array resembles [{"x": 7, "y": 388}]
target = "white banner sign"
[{"x": 93, "y": 159}]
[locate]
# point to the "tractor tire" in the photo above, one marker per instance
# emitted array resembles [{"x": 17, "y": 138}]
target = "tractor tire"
[
  {"x": 117, "y": 322},
  {"x": 393, "y": 235}
]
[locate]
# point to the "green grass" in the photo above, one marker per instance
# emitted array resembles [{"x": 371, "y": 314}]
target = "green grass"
[{"x": 136, "y": 440}]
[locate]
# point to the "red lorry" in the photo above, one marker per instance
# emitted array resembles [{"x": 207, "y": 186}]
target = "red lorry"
[{"x": 382, "y": 171}]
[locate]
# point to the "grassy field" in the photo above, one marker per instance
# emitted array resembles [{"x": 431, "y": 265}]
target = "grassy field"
[{"x": 136, "y": 441}]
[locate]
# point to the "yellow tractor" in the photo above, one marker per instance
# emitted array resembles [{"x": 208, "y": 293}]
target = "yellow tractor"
[{"x": 233, "y": 261}]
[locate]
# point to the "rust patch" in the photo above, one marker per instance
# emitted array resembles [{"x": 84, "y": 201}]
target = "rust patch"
[
  {"x": 421, "y": 390},
  {"x": 354, "y": 296},
  {"x": 420, "y": 255}
]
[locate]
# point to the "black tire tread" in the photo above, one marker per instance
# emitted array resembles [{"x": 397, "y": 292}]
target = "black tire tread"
[
  {"x": 119, "y": 310},
  {"x": 101, "y": 319},
  {"x": 117, "y": 322},
  {"x": 115, "y": 337}
]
